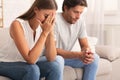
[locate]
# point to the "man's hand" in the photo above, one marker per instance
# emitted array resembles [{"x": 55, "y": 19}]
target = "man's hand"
[{"x": 87, "y": 56}]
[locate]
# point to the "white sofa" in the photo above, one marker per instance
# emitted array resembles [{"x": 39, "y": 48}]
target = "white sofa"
[{"x": 109, "y": 65}]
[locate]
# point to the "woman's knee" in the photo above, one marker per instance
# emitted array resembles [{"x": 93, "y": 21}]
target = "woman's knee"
[
  {"x": 58, "y": 64},
  {"x": 60, "y": 61},
  {"x": 33, "y": 70}
]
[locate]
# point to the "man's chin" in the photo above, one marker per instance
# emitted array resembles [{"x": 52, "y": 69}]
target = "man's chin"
[{"x": 73, "y": 22}]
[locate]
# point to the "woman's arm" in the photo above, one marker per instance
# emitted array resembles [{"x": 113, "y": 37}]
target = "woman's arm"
[
  {"x": 50, "y": 47},
  {"x": 30, "y": 55}
]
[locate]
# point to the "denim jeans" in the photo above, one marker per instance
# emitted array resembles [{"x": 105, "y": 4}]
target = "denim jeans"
[
  {"x": 89, "y": 70},
  {"x": 43, "y": 68}
]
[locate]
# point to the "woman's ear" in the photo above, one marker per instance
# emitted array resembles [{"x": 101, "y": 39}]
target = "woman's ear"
[{"x": 36, "y": 9}]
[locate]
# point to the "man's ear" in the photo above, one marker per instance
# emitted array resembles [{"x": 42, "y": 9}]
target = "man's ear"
[{"x": 65, "y": 8}]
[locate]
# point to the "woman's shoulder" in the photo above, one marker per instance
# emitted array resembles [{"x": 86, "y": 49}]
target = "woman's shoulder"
[
  {"x": 15, "y": 23},
  {"x": 15, "y": 26},
  {"x": 18, "y": 20}
]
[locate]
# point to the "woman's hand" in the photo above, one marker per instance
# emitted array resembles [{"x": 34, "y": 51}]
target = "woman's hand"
[{"x": 47, "y": 26}]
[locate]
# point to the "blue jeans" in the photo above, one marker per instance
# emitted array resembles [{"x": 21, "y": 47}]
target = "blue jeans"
[
  {"x": 89, "y": 70},
  {"x": 43, "y": 68}
]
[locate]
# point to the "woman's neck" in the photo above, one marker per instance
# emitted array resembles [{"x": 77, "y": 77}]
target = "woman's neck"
[{"x": 33, "y": 24}]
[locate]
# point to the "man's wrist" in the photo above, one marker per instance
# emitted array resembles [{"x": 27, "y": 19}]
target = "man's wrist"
[{"x": 77, "y": 54}]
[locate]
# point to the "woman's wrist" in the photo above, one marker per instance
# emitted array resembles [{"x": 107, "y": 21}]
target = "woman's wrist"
[{"x": 45, "y": 33}]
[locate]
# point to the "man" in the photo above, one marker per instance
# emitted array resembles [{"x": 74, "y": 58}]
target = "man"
[{"x": 69, "y": 27}]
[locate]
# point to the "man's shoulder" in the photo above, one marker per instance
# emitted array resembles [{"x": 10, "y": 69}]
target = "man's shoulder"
[
  {"x": 59, "y": 18},
  {"x": 58, "y": 15}
]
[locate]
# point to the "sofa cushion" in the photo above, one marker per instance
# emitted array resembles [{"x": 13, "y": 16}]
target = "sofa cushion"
[
  {"x": 4, "y": 35},
  {"x": 79, "y": 73},
  {"x": 92, "y": 42},
  {"x": 108, "y": 52},
  {"x": 69, "y": 73},
  {"x": 104, "y": 67},
  {"x": 4, "y": 78}
]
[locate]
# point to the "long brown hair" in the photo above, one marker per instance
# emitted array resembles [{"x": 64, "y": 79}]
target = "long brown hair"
[{"x": 40, "y": 4}]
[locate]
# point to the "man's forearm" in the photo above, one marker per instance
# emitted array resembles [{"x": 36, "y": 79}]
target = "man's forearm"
[{"x": 68, "y": 54}]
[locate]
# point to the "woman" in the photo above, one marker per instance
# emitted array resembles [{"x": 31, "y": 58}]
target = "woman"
[{"x": 32, "y": 42}]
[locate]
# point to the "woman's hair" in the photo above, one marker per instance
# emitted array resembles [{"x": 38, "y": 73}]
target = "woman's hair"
[
  {"x": 40, "y": 4},
  {"x": 73, "y": 3}
]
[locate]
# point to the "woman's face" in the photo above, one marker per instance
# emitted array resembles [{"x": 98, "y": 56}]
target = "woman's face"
[{"x": 42, "y": 14}]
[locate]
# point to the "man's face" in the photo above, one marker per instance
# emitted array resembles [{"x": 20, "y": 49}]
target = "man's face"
[{"x": 73, "y": 14}]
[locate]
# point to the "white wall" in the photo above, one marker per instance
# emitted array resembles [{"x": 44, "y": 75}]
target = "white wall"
[
  {"x": 112, "y": 35},
  {"x": 110, "y": 5},
  {"x": 59, "y": 3},
  {"x": 112, "y": 12},
  {"x": 112, "y": 22},
  {"x": 14, "y": 8}
]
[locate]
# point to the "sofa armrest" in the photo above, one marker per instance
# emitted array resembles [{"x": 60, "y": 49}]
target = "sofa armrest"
[{"x": 108, "y": 52}]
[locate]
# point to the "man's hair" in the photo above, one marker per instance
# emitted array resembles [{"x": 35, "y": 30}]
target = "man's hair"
[{"x": 73, "y": 3}]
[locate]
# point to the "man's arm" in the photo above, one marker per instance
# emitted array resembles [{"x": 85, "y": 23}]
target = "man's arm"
[
  {"x": 85, "y": 58},
  {"x": 68, "y": 54},
  {"x": 88, "y": 56},
  {"x": 73, "y": 54},
  {"x": 84, "y": 44}
]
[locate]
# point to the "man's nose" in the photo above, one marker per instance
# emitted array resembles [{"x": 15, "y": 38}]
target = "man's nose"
[{"x": 78, "y": 16}]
